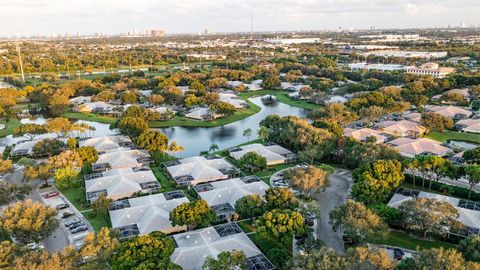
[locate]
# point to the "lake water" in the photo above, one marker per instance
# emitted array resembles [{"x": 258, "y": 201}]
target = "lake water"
[{"x": 196, "y": 139}]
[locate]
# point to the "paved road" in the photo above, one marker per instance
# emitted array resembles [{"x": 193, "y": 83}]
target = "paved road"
[
  {"x": 334, "y": 195},
  {"x": 462, "y": 182}
]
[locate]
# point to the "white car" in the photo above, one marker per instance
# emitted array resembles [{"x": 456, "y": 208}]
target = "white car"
[{"x": 35, "y": 246}]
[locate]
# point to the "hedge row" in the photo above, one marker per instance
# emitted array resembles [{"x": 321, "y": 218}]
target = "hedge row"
[{"x": 454, "y": 191}]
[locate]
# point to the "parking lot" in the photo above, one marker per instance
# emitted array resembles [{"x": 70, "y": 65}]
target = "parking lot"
[{"x": 73, "y": 224}]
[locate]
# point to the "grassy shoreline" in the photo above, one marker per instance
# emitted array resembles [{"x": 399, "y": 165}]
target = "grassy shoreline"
[
  {"x": 282, "y": 96},
  {"x": 452, "y": 135},
  {"x": 9, "y": 127},
  {"x": 90, "y": 117}
]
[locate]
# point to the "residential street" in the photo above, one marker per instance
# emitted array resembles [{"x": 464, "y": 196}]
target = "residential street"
[{"x": 335, "y": 194}]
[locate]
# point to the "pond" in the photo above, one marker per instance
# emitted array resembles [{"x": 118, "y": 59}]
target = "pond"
[{"x": 197, "y": 139}]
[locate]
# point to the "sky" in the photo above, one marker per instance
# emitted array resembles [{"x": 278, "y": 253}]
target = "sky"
[{"x": 32, "y": 17}]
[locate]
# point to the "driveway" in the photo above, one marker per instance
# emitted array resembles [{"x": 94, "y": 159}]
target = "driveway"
[{"x": 334, "y": 195}]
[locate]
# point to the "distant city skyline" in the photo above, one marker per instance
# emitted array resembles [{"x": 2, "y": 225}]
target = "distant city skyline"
[{"x": 47, "y": 17}]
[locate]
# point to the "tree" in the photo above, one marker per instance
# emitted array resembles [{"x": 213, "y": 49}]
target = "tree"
[
  {"x": 334, "y": 112},
  {"x": 222, "y": 108},
  {"x": 156, "y": 99},
  {"x": 280, "y": 198},
  {"x": 226, "y": 260},
  {"x": 309, "y": 154},
  {"x": 252, "y": 162},
  {"x": 473, "y": 173},
  {"x": 129, "y": 97},
  {"x": 470, "y": 247},
  {"x": 67, "y": 158},
  {"x": 72, "y": 143},
  {"x": 48, "y": 147},
  {"x": 271, "y": 81},
  {"x": 435, "y": 122},
  {"x": 250, "y": 206},
  {"x": 132, "y": 126},
  {"x": 263, "y": 133},
  {"x": 388, "y": 214},
  {"x": 321, "y": 259},
  {"x": 364, "y": 258},
  {"x": 10, "y": 192},
  {"x": 247, "y": 133},
  {"x": 153, "y": 141},
  {"x": 174, "y": 147},
  {"x": 6, "y": 166},
  {"x": 357, "y": 222},
  {"x": 192, "y": 214},
  {"x": 42, "y": 171},
  {"x": 133, "y": 111},
  {"x": 98, "y": 248},
  {"x": 64, "y": 177},
  {"x": 280, "y": 224},
  {"x": 59, "y": 125},
  {"x": 439, "y": 258},
  {"x": 28, "y": 221},
  {"x": 29, "y": 130},
  {"x": 150, "y": 251},
  {"x": 375, "y": 181},
  {"x": 307, "y": 179},
  {"x": 428, "y": 215},
  {"x": 42, "y": 259},
  {"x": 213, "y": 148},
  {"x": 101, "y": 206},
  {"x": 472, "y": 155},
  {"x": 88, "y": 154},
  {"x": 279, "y": 257}
]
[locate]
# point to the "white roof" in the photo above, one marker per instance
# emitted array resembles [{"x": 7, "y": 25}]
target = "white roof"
[
  {"x": 468, "y": 217},
  {"x": 122, "y": 158},
  {"x": 199, "y": 113},
  {"x": 448, "y": 111},
  {"x": 336, "y": 99},
  {"x": 80, "y": 99},
  {"x": 28, "y": 145},
  {"x": 91, "y": 106},
  {"x": 119, "y": 182},
  {"x": 232, "y": 99},
  {"x": 273, "y": 153},
  {"x": 195, "y": 246},
  {"x": 146, "y": 93},
  {"x": 362, "y": 134},
  {"x": 200, "y": 168},
  {"x": 412, "y": 147},
  {"x": 413, "y": 116},
  {"x": 105, "y": 143},
  {"x": 150, "y": 213},
  {"x": 401, "y": 127},
  {"x": 471, "y": 125},
  {"x": 230, "y": 191}
]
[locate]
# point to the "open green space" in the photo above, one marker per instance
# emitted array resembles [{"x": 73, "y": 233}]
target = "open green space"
[
  {"x": 165, "y": 182},
  {"x": 283, "y": 97},
  {"x": 453, "y": 135},
  {"x": 187, "y": 122},
  {"x": 404, "y": 240},
  {"x": 97, "y": 221},
  {"x": 90, "y": 117},
  {"x": 10, "y": 125}
]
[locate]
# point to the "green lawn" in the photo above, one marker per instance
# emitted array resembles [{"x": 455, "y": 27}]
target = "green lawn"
[
  {"x": 98, "y": 221},
  {"x": 402, "y": 239},
  {"x": 10, "y": 126},
  {"x": 283, "y": 97},
  {"x": 90, "y": 117},
  {"x": 76, "y": 196},
  {"x": 165, "y": 182},
  {"x": 187, "y": 122},
  {"x": 452, "y": 135},
  {"x": 269, "y": 171}
]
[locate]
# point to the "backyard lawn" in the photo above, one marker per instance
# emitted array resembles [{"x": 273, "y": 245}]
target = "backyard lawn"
[
  {"x": 452, "y": 135},
  {"x": 9, "y": 127},
  {"x": 90, "y": 117},
  {"x": 165, "y": 182},
  {"x": 402, "y": 239}
]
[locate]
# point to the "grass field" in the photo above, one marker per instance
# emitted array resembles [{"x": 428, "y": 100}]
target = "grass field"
[
  {"x": 90, "y": 117},
  {"x": 165, "y": 182},
  {"x": 186, "y": 122},
  {"x": 452, "y": 135},
  {"x": 283, "y": 97},
  {"x": 402, "y": 239},
  {"x": 10, "y": 126}
]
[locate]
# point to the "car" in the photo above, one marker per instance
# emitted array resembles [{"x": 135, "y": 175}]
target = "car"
[
  {"x": 67, "y": 214},
  {"x": 50, "y": 194},
  {"x": 79, "y": 229},
  {"x": 34, "y": 246},
  {"x": 70, "y": 222},
  {"x": 398, "y": 253},
  {"x": 74, "y": 225},
  {"x": 61, "y": 206}
]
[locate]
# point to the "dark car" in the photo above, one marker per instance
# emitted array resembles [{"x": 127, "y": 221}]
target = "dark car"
[
  {"x": 75, "y": 225},
  {"x": 70, "y": 222},
  {"x": 79, "y": 229},
  {"x": 398, "y": 253},
  {"x": 67, "y": 214},
  {"x": 50, "y": 194},
  {"x": 61, "y": 206}
]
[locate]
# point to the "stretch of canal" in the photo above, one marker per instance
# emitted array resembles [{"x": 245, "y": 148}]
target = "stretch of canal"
[{"x": 193, "y": 139}]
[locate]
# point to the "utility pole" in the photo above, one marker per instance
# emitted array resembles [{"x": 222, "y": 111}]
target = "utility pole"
[{"x": 21, "y": 65}]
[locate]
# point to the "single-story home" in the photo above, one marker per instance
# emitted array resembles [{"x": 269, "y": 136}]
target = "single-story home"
[
  {"x": 469, "y": 211},
  {"x": 222, "y": 195},
  {"x": 413, "y": 116},
  {"x": 468, "y": 125},
  {"x": 453, "y": 112},
  {"x": 192, "y": 248},
  {"x": 106, "y": 143},
  {"x": 202, "y": 114},
  {"x": 96, "y": 107},
  {"x": 120, "y": 183},
  {"x": 254, "y": 85},
  {"x": 121, "y": 159},
  {"x": 364, "y": 133},
  {"x": 80, "y": 100},
  {"x": 145, "y": 93},
  {"x": 233, "y": 100},
  {"x": 273, "y": 153},
  {"x": 421, "y": 146},
  {"x": 143, "y": 215},
  {"x": 402, "y": 128},
  {"x": 25, "y": 148},
  {"x": 336, "y": 99},
  {"x": 199, "y": 169}
]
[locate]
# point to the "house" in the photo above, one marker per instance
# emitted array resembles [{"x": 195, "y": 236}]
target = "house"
[
  {"x": 233, "y": 100},
  {"x": 294, "y": 87},
  {"x": 432, "y": 69},
  {"x": 233, "y": 84},
  {"x": 106, "y": 143},
  {"x": 416, "y": 147},
  {"x": 462, "y": 92},
  {"x": 145, "y": 93},
  {"x": 469, "y": 211},
  {"x": 143, "y": 215},
  {"x": 413, "y": 116},
  {"x": 96, "y": 107},
  {"x": 468, "y": 125},
  {"x": 80, "y": 100},
  {"x": 25, "y": 148},
  {"x": 453, "y": 112},
  {"x": 402, "y": 128},
  {"x": 199, "y": 169},
  {"x": 336, "y": 99},
  {"x": 193, "y": 247},
  {"x": 273, "y": 153},
  {"x": 222, "y": 195},
  {"x": 202, "y": 114},
  {"x": 120, "y": 183},
  {"x": 121, "y": 159},
  {"x": 254, "y": 85},
  {"x": 364, "y": 133}
]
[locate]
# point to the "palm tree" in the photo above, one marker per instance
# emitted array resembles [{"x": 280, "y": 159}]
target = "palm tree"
[
  {"x": 263, "y": 133},
  {"x": 213, "y": 147},
  {"x": 247, "y": 133}
]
